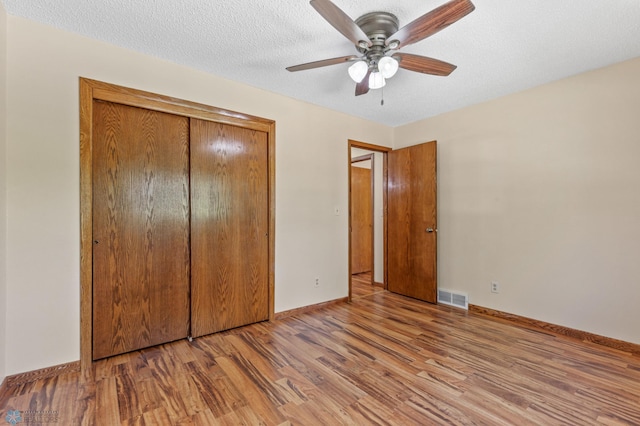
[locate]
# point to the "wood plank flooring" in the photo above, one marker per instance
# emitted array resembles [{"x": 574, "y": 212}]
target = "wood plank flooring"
[
  {"x": 361, "y": 286},
  {"x": 384, "y": 359}
]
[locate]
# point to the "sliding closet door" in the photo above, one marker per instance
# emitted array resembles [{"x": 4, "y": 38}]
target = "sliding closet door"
[
  {"x": 229, "y": 225},
  {"x": 140, "y": 228}
]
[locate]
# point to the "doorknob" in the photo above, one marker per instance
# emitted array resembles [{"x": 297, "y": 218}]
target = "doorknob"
[{"x": 429, "y": 229}]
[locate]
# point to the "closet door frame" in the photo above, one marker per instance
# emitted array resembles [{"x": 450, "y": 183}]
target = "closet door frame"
[{"x": 92, "y": 90}]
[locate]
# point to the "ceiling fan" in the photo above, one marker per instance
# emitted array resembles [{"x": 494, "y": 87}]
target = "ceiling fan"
[{"x": 377, "y": 38}]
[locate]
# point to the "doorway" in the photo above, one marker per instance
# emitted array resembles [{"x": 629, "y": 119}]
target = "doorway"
[
  {"x": 363, "y": 232},
  {"x": 366, "y": 219},
  {"x": 408, "y": 216}
]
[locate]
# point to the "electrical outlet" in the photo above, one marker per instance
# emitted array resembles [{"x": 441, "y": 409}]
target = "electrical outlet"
[
  {"x": 495, "y": 287},
  {"x": 317, "y": 283}
]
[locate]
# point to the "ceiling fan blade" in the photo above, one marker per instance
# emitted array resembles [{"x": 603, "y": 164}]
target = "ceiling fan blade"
[
  {"x": 340, "y": 21},
  {"x": 322, "y": 63},
  {"x": 432, "y": 22},
  {"x": 362, "y": 88},
  {"x": 424, "y": 65}
]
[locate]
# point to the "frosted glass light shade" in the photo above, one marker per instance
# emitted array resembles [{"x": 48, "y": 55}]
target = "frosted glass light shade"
[
  {"x": 388, "y": 66},
  {"x": 358, "y": 70},
  {"x": 376, "y": 80}
]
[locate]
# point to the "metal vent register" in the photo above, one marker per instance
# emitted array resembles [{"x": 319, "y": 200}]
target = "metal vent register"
[{"x": 453, "y": 298}]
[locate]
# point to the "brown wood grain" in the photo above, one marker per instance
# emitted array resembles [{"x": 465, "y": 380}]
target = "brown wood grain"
[
  {"x": 558, "y": 329},
  {"x": 322, "y": 63},
  {"x": 362, "y": 285},
  {"x": 92, "y": 90},
  {"x": 229, "y": 226},
  {"x": 139, "y": 98},
  {"x": 310, "y": 308},
  {"x": 43, "y": 373},
  {"x": 340, "y": 21},
  {"x": 362, "y": 87},
  {"x": 271, "y": 147},
  {"x": 382, "y": 359},
  {"x": 412, "y": 210},
  {"x": 140, "y": 228},
  {"x": 86, "y": 226},
  {"x": 432, "y": 22},
  {"x": 364, "y": 145},
  {"x": 361, "y": 220},
  {"x": 424, "y": 65}
]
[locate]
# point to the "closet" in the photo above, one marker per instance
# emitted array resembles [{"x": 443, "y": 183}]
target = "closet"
[{"x": 179, "y": 219}]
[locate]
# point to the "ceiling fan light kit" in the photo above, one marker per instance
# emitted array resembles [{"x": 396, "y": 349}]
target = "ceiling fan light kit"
[
  {"x": 388, "y": 66},
  {"x": 376, "y": 80},
  {"x": 377, "y": 37},
  {"x": 358, "y": 71}
]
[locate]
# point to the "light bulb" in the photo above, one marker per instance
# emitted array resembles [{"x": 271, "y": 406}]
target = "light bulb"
[
  {"x": 376, "y": 80},
  {"x": 388, "y": 66},
  {"x": 358, "y": 70}
]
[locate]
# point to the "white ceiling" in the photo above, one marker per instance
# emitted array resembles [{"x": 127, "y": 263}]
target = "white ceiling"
[{"x": 502, "y": 47}]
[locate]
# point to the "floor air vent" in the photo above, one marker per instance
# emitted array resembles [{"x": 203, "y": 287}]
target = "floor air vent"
[{"x": 453, "y": 298}]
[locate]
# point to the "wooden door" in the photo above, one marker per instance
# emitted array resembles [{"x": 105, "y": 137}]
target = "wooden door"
[
  {"x": 412, "y": 222},
  {"x": 140, "y": 228},
  {"x": 361, "y": 220},
  {"x": 229, "y": 225}
]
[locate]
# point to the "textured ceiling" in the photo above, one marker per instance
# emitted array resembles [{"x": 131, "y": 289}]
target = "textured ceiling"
[{"x": 502, "y": 47}]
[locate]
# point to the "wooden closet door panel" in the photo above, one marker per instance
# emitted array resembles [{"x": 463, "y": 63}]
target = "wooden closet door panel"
[
  {"x": 140, "y": 228},
  {"x": 229, "y": 225},
  {"x": 361, "y": 220}
]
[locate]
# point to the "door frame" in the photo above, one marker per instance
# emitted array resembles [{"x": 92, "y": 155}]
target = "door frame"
[
  {"x": 91, "y": 90},
  {"x": 384, "y": 150}
]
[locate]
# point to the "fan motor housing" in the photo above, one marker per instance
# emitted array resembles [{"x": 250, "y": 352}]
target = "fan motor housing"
[{"x": 378, "y": 26}]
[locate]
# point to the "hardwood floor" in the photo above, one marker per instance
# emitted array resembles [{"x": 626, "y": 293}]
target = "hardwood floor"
[
  {"x": 361, "y": 286},
  {"x": 384, "y": 359}
]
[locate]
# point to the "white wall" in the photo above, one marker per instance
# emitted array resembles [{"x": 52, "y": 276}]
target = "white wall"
[
  {"x": 537, "y": 190},
  {"x": 378, "y": 222},
  {"x": 540, "y": 191},
  {"x": 3, "y": 190},
  {"x": 43, "y": 180}
]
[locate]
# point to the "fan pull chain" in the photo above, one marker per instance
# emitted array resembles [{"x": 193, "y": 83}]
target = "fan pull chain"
[{"x": 382, "y": 96}]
